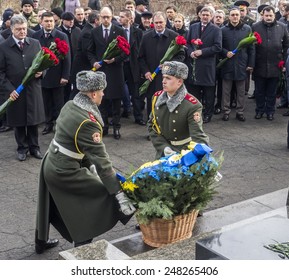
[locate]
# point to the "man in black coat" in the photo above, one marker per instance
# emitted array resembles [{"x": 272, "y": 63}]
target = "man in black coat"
[
  {"x": 154, "y": 45},
  {"x": 203, "y": 58},
  {"x": 113, "y": 68},
  {"x": 236, "y": 67},
  {"x": 73, "y": 34},
  {"x": 81, "y": 61},
  {"x": 56, "y": 77},
  {"x": 269, "y": 53},
  {"x": 24, "y": 114},
  {"x": 131, "y": 67}
]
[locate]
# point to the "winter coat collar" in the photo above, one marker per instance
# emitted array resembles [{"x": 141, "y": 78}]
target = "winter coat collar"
[
  {"x": 173, "y": 102},
  {"x": 238, "y": 26},
  {"x": 83, "y": 101}
]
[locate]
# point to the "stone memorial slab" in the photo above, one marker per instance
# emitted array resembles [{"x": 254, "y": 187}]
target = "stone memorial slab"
[
  {"x": 99, "y": 250},
  {"x": 245, "y": 242}
]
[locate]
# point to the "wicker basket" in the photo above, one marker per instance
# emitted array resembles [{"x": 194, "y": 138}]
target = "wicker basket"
[{"x": 160, "y": 232}]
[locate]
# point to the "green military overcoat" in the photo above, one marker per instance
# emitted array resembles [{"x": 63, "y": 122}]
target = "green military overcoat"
[
  {"x": 79, "y": 204},
  {"x": 176, "y": 121}
]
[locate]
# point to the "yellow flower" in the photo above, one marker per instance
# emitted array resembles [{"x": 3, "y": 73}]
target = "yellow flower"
[
  {"x": 192, "y": 145},
  {"x": 129, "y": 186}
]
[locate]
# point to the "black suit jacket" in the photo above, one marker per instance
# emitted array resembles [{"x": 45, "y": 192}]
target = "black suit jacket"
[
  {"x": 114, "y": 71},
  {"x": 62, "y": 70},
  {"x": 134, "y": 41}
]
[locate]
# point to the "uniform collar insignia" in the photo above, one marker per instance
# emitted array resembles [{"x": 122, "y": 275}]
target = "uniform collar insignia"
[{"x": 84, "y": 102}]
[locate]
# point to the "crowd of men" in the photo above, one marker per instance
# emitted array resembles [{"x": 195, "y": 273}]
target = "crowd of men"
[{"x": 89, "y": 30}]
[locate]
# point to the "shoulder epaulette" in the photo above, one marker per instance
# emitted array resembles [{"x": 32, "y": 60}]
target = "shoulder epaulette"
[
  {"x": 158, "y": 93},
  {"x": 91, "y": 117},
  {"x": 191, "y": 98}
]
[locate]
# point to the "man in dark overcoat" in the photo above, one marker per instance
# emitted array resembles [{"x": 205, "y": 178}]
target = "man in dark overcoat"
[
  {"x": 81, "y": 61},
  {"x": 113, "y": 68},
  {"x": 154, "y": 45},
  {"x": 203, "y": 77},
  {"x": 131, "y": 66},
  {"x": 24, "y": 114},
  {"x": 236, "y": 67},
  {"x": 56, "y": 77},
  {"x": 73, "y": 34},
  {"x": 269, "y": 53}
]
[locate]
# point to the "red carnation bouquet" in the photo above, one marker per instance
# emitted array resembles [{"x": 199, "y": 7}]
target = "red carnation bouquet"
[
  {"x": 44, "y": 59},
  {"x": 115, "y": 48},
  {"x": 175, "y": 46},
  {"x": 282, "y": 83},
  {"x": 196, "y": 43}
]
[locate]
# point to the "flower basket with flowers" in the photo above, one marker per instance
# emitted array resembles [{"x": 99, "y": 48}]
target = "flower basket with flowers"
[
  {"x": 115, "y": 48},
  {"x": 196, "y": 43},
  {"x": 171, "y": 189},
  {"x": 252, "y": 38},
  {"x": 44, "y": 59},
  {"x": 282, "y": 83},
  {"x": 175, "y": 46}
]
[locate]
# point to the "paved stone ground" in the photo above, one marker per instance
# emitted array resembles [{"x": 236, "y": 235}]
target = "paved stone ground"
[{"x": 256, "y": 163}]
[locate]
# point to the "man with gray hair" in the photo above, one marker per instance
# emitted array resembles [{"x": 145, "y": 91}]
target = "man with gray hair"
[
  {"x": 27, "y": 111},
  {"x": 154, "y": 45},
  {"x": 176, "y": 117}
]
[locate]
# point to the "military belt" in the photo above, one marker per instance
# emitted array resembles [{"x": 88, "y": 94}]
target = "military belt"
[
  {"x": 181, "y": 142},
  {"x": 67, "y": 152}
]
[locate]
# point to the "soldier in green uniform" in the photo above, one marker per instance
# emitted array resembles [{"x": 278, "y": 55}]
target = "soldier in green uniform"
[
  {"x": 79, "y": 193},
  {"x": 176, "y": 117}
]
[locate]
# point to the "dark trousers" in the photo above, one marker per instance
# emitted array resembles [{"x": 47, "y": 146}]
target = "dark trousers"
[
  {"x": 219, "y": 93},
  {"x": 133, "y": 91},
  {"x": 207, "y": 94},
  {"x": 265, "y": 94},
  {"x": 67, "y": 92},
  {"x": 26, "y": 138},
  {"x": 53, "y": 102},
  {"x": 113, "y": 105}
]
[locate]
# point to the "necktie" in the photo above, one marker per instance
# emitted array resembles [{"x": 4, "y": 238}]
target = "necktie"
[
  {"x": 21, "y": 45},
  {"x": 47, "y": 35},
  {"x": 203, "y": 27},
  {"x": 105, "y": 35},
  {"x": 127, "y": 34}
]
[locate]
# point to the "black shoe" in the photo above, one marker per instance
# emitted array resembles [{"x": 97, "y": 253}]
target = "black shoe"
[
  {"x": 41, "y": 246},
  {"x": 148, "y": 138},
  {"x": 282, "y": 106},
  {"x": 116, "y": 134},
  {"x": 47, "y": 129},
  {"x": 240, "y": 117},
  {"x": 5, "y": 128},
  {"x": 225, "y": 117},
  {"x": 251, "y": 96},
  {"x": 206, "y": 119},
  {"x": 36, "y": 154},
  {"x": 217, "y": 111},
  {"x": 258, "y": 116},
  {"x": 140, "y": 122},
  {"x": 286, "y": 114},
  {"x": 21, "y": 156},
  {"x": 270, "y": 117}
]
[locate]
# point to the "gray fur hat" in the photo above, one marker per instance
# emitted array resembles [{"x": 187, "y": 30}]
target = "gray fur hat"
[
  {"x": 90, "y": 81},
  {"x": 176, "y": 69}
]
